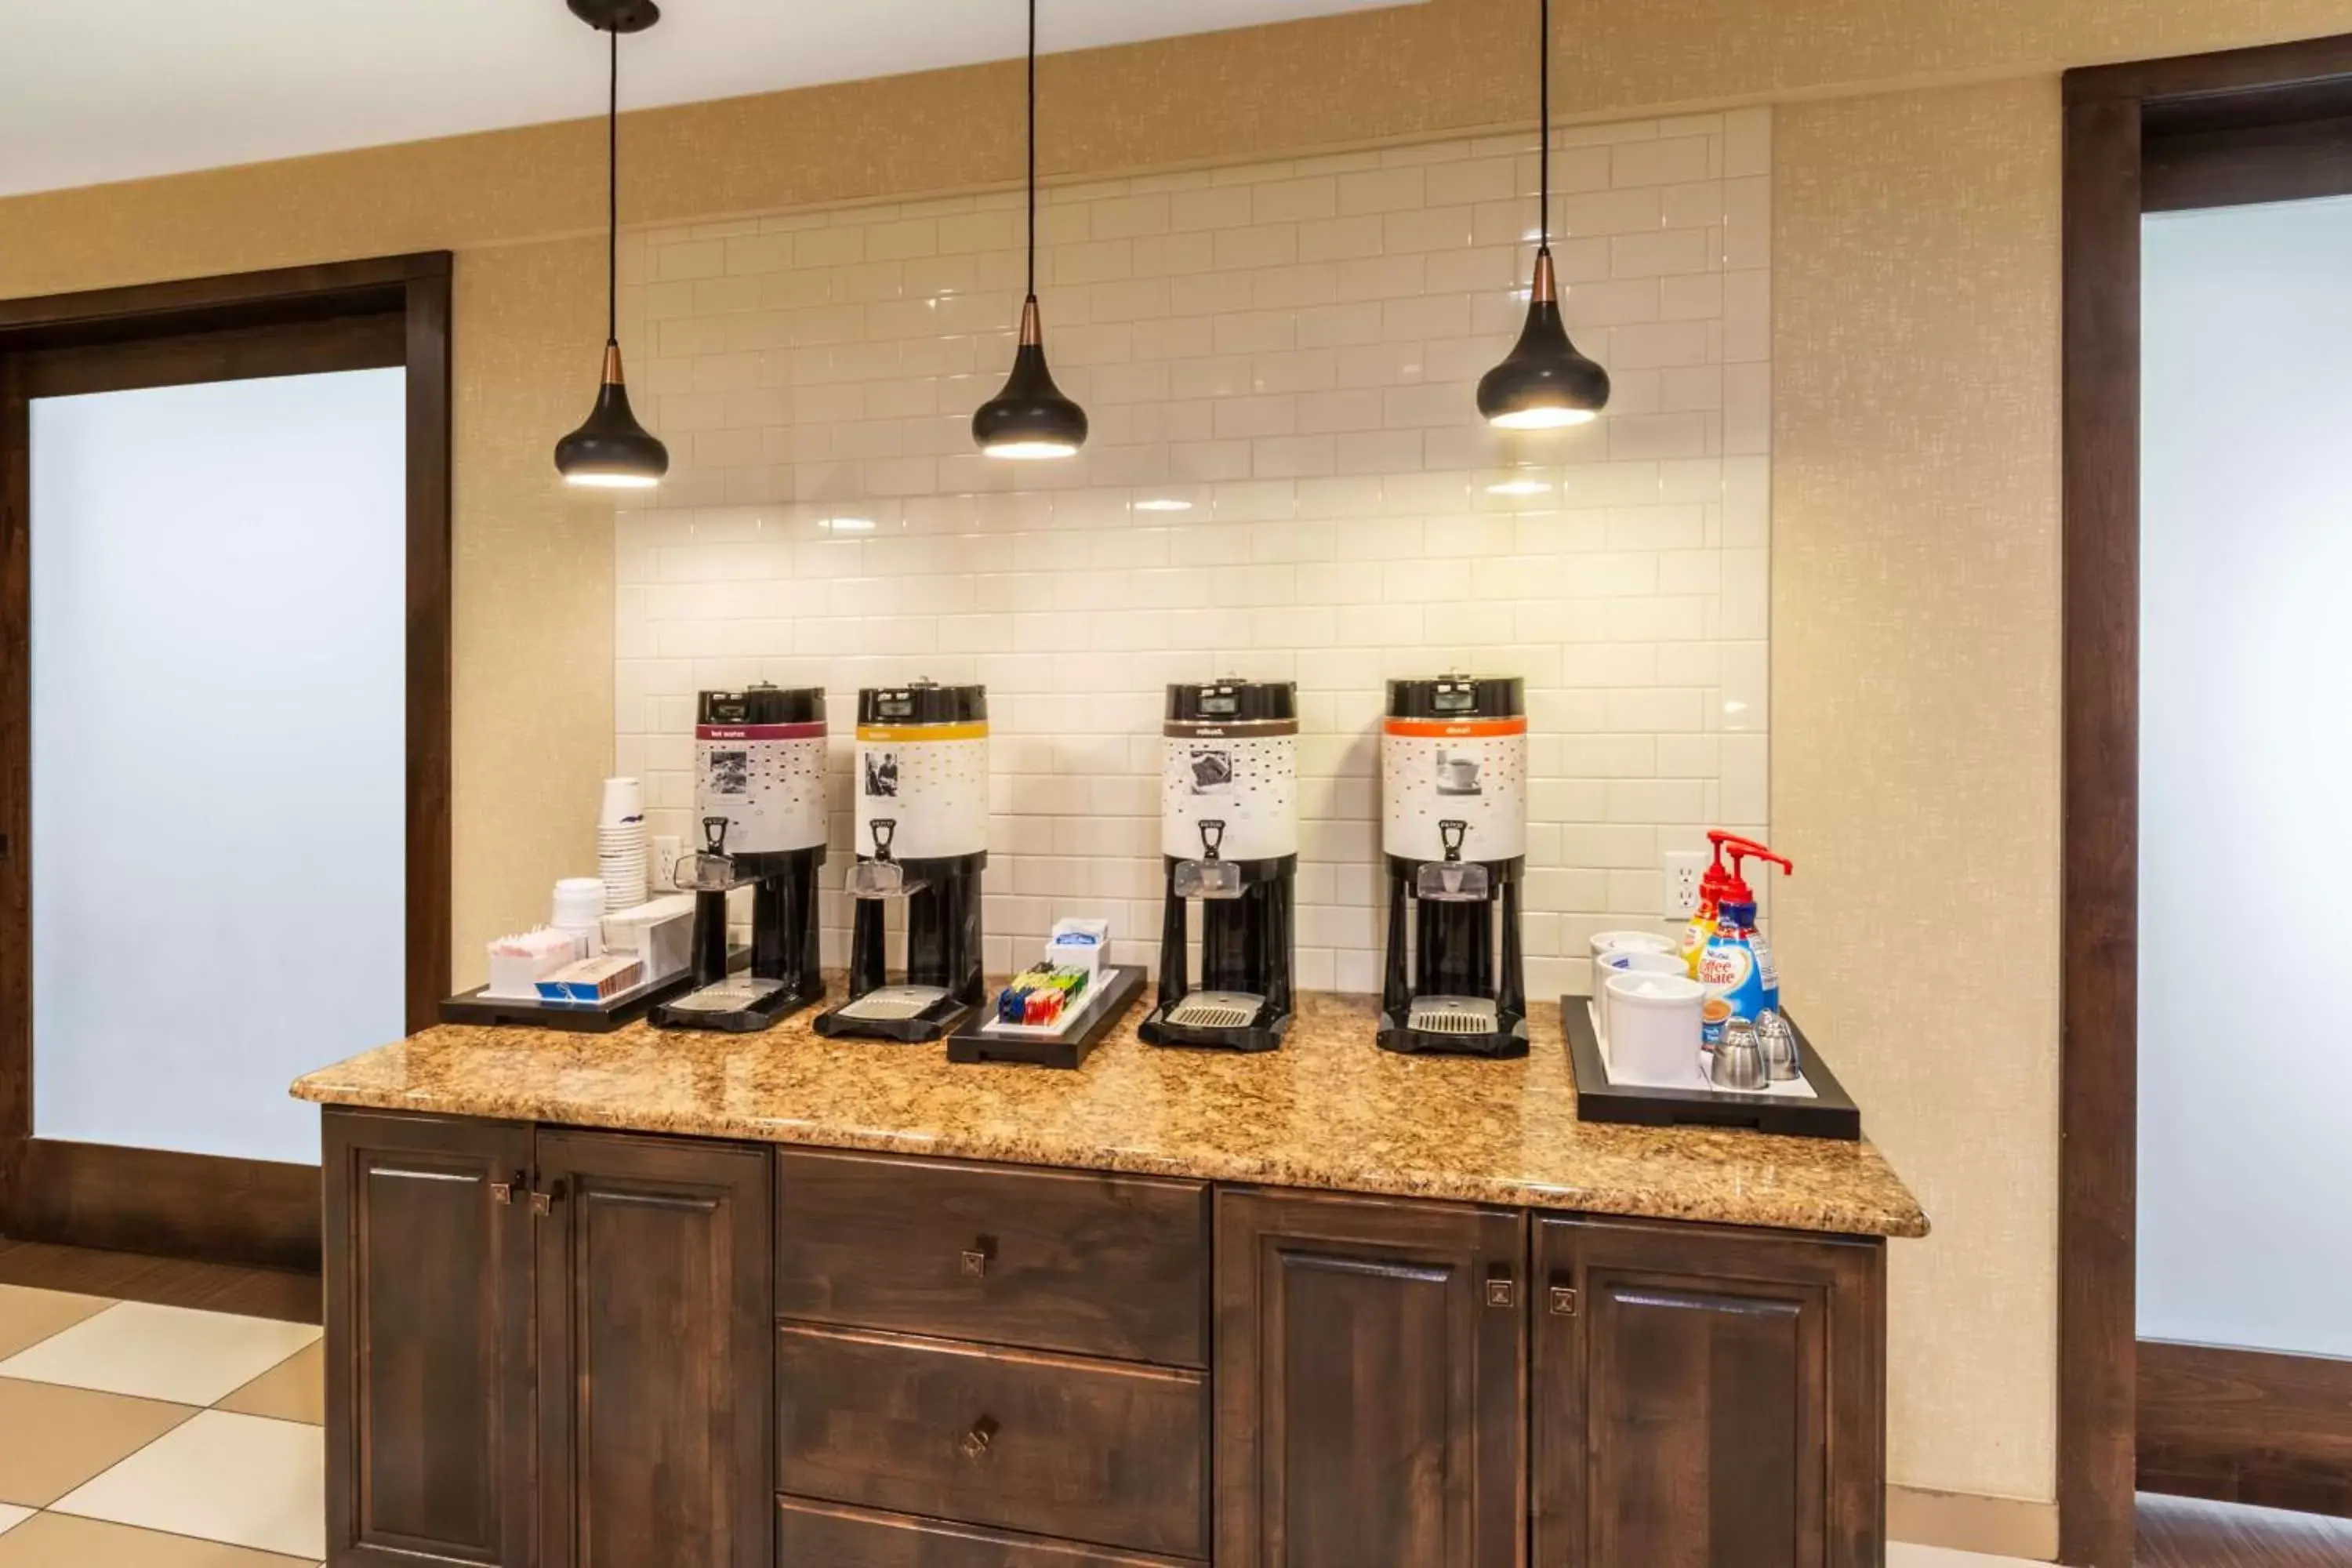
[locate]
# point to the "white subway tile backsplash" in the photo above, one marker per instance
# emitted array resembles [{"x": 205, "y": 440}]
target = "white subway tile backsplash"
[{"x": 1287, "y": 480}]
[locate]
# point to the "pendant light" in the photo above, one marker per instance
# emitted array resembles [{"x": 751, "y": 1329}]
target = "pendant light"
[
  {"x": 1543, "y": 383},
  {"x": 1030, "y": 419},
  {"x": 611, "y": 450}
]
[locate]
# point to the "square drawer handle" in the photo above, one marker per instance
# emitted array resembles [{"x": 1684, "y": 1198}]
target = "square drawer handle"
[
  {"x": 976, "y": 1257},
  {"x": 975, "y": 1443}
]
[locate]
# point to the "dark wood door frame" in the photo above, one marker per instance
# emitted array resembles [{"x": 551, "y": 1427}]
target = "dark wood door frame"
[
  {"x": 2247, "y": 125},
  {"x": 337, "y": 316}
]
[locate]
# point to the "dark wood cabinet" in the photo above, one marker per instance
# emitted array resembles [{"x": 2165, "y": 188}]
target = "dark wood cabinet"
[
  {"x": 829, "y": 1535},
  {"x": 545, "y": 1349},
  {"x": 1370, "y": 1362},
  {"x": 1056, "y": 1260},
  {"x": 1707, "y": 1398},
  {"x": 653, "y": 1336},
  {"x": 551, "y": 1348},
  {"x": 1053, "y": 1444},
  {"x": 428, "y": 1297}
]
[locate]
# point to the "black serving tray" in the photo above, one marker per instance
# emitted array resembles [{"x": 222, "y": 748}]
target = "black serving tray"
[
  {"x": 970, "y": 1044},
  {"x": 1831, "y": 1114},
  {"x": 499, "y": 1011}
]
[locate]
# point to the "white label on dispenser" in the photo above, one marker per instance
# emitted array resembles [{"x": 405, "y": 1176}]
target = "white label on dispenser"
[
  {"x": 1454, "y": 782},
  {"x": 929, "y": 784},
  {"x": 766, "y": 780},
  {"x": 1244, "y": 776}
]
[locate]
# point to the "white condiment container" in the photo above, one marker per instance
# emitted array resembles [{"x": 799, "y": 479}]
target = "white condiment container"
[
  {"x": 1626, "y": 960},
  {"x": 1653, "y": 1024}
]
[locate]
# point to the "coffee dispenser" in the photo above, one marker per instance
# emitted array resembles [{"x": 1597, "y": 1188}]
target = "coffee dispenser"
[
  {"x": 1453, "y": 778},
  {"x": 922, "y": 840},
  {"x": 1228, "y": 838},
  {"x": 759, "y": 796}
]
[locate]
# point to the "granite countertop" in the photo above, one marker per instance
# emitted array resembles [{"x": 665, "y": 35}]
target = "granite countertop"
[{"x": 1327, "y": 1111}]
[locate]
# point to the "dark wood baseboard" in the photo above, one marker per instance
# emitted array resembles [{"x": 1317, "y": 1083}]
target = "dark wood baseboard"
[
  {"x": 253, "y": 1212},
  {"x": 2248, "y": 1427},
  {"x": 284, "y": 1294}
]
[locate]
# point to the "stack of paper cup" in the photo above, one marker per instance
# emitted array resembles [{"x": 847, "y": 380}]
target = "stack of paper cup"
[
  {"x": 579, "y": 912},
  {"x": 621, "y": 844}
]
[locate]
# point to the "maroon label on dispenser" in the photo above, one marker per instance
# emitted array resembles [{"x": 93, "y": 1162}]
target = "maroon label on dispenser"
[{"x": 812, "y": 732}]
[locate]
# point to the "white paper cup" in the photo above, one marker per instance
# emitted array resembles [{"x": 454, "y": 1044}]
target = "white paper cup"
[
  {"x": 1607, "y": 965},
  {"x": 624, "y": 801},
  {"x": 1654, "y": 1028}
]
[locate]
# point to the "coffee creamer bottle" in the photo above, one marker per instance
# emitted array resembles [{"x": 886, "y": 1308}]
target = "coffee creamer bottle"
[{"x": 1737, "y": 967}]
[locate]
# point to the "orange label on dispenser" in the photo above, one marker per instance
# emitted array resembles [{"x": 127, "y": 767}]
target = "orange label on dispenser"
[{"x": 1456, "y": 728}]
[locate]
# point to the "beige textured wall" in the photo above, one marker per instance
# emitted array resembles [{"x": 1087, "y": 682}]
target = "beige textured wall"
[
  {"x": 1915, "y": 346},
  {"x": 1914, "y": 732}
]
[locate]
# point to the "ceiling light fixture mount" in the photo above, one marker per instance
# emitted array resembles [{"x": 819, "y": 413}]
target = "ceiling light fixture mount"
[
  {"x": 1544, "y": 384},
  {"x": 1031, "y": 420},
  {"x": 611, "y": 450}
]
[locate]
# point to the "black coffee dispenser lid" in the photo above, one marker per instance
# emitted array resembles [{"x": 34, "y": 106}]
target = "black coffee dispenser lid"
[
  {"x": 922, "y": 702},
  {"x": 763, "y": 705},
  {"x": 1231, "y": 701},
  {"x": 1459, "y": 697}
]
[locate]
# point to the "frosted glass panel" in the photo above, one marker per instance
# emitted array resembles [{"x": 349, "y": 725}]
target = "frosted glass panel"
[
  {"x": 2245, "y": 1131},
  {"x": 218, "y": 754}
]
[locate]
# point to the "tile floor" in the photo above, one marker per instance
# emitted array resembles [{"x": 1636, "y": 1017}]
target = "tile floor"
[{"x": 142, "y": 1437}]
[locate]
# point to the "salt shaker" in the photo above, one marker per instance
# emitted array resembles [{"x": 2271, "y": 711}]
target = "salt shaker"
[
  {"x": 1778, "y": 1040},
  {"x": 1738, "y": 1059}
]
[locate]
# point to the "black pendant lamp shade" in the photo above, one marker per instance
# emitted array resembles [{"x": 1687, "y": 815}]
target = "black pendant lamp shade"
[
  {"x": 611, "y": 450},
  {"x": 1544, "y": 384},
  {"x": 1031, "y": 418}
]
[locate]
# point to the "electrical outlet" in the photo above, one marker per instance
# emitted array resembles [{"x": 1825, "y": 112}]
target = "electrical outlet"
[{"x": 1684, "y": 867}]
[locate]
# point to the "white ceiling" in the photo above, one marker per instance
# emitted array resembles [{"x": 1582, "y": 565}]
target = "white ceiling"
[{"x": 93, "y": 91}]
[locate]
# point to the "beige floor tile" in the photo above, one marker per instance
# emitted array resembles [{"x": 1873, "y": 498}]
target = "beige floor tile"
[
  {"x": 29, "y": 1316},
  {"x": 1903, "y": 1554},
  {"x": 241, "y": 1479},
  {"x": 52, "y": 1439},
  {"x": 12, "y": 1516},
  {"x": 293, "y": 1390},
  {"x": 160, "y": 1353},
  {"x": 60, "y": 1541}
]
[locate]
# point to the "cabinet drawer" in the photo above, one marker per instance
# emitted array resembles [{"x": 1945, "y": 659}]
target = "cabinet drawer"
[
  {"x": 829, "y": 1535},
  {"x": 1049, "y": 1444},
  {"x": 1060, "y": 1260}
]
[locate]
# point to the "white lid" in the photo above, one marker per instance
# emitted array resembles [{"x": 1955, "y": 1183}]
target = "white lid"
[
  {"x": 1634, "y": 941},
  {"x": 1645, "y": 989}
]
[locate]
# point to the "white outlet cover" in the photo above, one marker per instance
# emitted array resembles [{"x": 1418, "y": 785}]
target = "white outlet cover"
[{"x": 1684, "y": 869}]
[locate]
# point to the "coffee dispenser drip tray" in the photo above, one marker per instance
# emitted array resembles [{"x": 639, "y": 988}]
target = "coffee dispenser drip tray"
[
  {"x": 1452, "y": 882},
  {"x": 1206, "y": 878}
]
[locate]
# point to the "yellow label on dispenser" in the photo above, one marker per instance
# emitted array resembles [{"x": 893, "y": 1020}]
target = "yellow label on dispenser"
[{"x": 976, "y": 731}]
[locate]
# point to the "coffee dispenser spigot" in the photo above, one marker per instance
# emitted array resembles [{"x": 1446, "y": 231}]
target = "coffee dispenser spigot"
[{"x": 1210, "y": 876}]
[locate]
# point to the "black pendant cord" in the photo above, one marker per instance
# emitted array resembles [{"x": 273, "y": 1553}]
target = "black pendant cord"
[
  {"x": 1543, "y": 123},
  {"x": 613, "y": 196},
  {"x": 1033, "y": 147}
]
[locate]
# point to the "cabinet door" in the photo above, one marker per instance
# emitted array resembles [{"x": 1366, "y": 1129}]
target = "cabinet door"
[
  {"x": 1707, "y": 1399},
  {"x": 428, "y": 1286},
  {"x": 1369, "y": 1365},
  {"x": 655, "y": 1328}
]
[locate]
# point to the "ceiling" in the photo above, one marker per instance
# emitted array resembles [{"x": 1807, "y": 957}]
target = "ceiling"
[{"x": 92, "y": 90}]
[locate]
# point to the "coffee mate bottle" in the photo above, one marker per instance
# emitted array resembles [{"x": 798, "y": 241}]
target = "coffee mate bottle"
[{"x": 1736, "y": 966}]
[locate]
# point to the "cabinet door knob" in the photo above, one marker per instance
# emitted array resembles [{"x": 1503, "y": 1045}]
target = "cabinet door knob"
[
  {"x": 975, "y": 1443},
  {"x": 544, "y": 1203},
  {"x": 976, "y": 1257},
  {"x": 1563, "y": 1300},
  {"x": 1502, "y": 1290},
  {"x": 501, "y": 1192}
]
